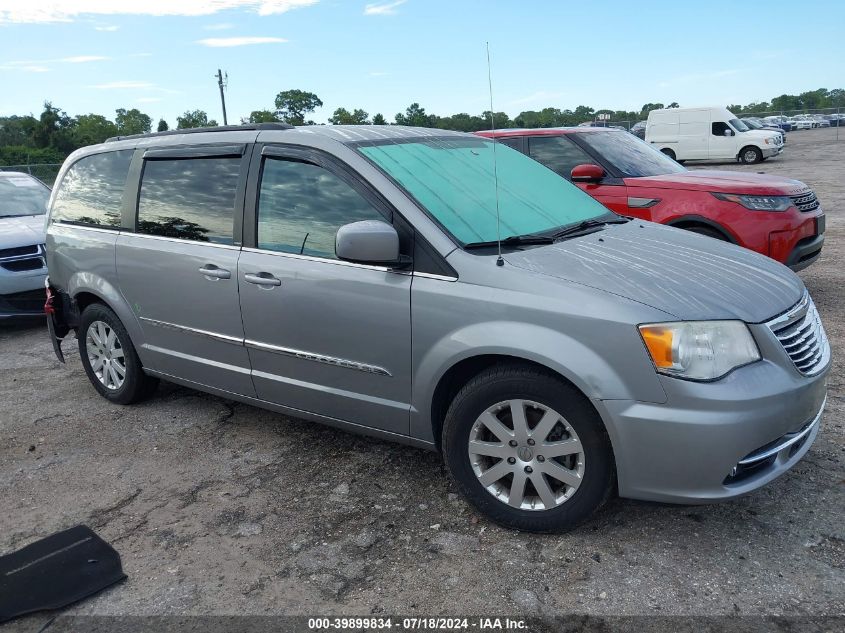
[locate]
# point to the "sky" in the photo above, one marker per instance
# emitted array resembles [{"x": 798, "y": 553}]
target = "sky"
[{"x": 161, "y": 56}]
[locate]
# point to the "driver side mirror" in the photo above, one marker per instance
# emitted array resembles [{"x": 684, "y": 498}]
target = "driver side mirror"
[
  {"x": 368, "y": 242},
  {"x": 586, "y": 173},
  {"x": 729, "y": 132}
]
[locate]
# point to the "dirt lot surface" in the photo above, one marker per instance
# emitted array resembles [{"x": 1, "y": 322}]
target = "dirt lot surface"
[{"x": 222, "y": 508}]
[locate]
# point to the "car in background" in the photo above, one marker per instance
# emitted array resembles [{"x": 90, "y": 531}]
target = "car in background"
[
  {"x": 758, "y": 124},
  {"x": 638, "y": 129},
  {"x": 820, "y": 120},
  {"x": 772, "y": 215},
  {"x": 778, "y": 121},
  {"x": 800, "y": 124},
  {"x": 23, "y": 203}
]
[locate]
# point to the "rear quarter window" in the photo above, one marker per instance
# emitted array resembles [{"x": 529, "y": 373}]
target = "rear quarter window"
[{"x": 91, "y": 192}]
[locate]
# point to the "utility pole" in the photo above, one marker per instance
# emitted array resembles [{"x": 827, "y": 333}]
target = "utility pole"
[{"x": 222, "y": 82}]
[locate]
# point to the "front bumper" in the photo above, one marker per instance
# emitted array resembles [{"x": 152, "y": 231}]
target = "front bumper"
[
  {"x": 768, "y": 152},
  {"x": 703, "y": 444},
  {"x": 29, "y": 303}
]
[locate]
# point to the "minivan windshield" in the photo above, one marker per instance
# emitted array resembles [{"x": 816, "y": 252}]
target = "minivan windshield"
[
  {"x": 455, "y": 180},
  {"x": 21, "y": 194},
  {"x": 630, "y": 156}
]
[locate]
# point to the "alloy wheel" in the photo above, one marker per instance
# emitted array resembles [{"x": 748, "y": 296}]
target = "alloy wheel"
[
  {"x": 526, "y": 455},
  {"x": 105, "y": 355}
]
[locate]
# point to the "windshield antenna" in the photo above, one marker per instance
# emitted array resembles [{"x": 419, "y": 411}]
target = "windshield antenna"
[{"x": 499, "y": 260}]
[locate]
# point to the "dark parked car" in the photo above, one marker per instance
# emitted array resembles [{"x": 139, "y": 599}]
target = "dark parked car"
[{"x": 758, "y": 124}]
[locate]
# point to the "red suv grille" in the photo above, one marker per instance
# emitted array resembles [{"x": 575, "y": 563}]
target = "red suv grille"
[{"x": 806, "y": 201}]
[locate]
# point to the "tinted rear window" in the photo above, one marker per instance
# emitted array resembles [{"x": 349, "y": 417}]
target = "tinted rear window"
[
  {"x": 91, "y": 191},
  {"x": 190, "y": 199}
]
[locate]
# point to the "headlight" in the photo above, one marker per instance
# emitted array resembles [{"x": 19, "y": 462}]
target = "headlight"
[
  {"x": 758, "y": 203},
  {"x": 699, "y": 350}
]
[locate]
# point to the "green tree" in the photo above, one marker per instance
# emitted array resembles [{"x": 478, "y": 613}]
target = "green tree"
[
  {"x": 162, "y": 126},
  {"x": 648, "y": 107},
  {"x": 194, "y": 118},
  {"x": 90, "y": 129},
  {"x": 132, "y": 122},
  {"x": 17, "y": 130},
  {"x": 378, "y": 119},
  {"x": 415, "y": 116},
  {"x": 674, "y": 104},
  {"x": 53, "y": 129},
  {"x": 342, "y": 116},
  {"x": 293, "y": 105},
  {"x": 262, "y": 116}
]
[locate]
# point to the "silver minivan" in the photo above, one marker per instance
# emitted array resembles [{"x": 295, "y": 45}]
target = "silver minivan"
[{"x": 353, "y": 276}]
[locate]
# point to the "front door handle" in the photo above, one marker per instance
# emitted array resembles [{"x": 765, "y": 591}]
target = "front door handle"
[
  {"x": 210, "y": 270},
  {"x": 262, "y": 279}
]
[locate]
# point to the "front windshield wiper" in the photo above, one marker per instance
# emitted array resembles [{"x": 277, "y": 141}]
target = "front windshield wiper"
[
  {"x": 19, "y": 215},
  {"x": 587, "y": 225},
  {"x": 513, "y": 240}
]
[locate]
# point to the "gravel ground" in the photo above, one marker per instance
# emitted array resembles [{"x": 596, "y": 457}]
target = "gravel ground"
[{"x": 221, "y": 508}]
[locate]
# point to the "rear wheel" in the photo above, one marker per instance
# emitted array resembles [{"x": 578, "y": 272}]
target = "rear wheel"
[
  {"x": 528, "y": 450},
  {"x": 109, "y": 358},
  {"x": 750, "y": 155}
]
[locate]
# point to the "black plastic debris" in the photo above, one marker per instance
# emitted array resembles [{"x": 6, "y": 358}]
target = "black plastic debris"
[{"x": 56, "y": 571}]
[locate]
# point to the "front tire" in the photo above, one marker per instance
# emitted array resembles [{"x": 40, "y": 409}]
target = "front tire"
[
  {"x": 528, "y": 450},
  {"x": 706, "y": 230},
  {"x": 750, "y": 155},
  {"x": 669, "y": 153},
  {"x": 109, "y": 358}
]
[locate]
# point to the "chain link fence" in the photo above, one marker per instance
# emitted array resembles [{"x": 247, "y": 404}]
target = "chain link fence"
[{"x": 45, "y": 172}]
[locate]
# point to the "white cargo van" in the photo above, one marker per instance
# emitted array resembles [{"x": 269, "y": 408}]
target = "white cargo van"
[{"x": 709, "y": 134}]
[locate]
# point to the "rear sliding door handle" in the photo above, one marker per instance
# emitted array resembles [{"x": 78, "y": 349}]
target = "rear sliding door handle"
[
  {"x": 210, "y": 270},
  {"x": 262, "y": 279}
]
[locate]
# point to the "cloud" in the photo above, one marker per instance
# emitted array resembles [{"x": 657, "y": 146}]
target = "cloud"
[
  {"x": 124, "y": 85},
  {"x": 110, "y": 28},
  {"x": 386, "y": 8},
  {"x": 225, "y": 42},
  {"x": 81, "y": 59},
  {"x": 41, "y": 65},
  {"x": 47, "y": 11}
]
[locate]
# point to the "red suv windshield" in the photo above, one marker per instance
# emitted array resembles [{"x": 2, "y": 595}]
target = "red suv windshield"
[{"x": 629, "y": 155}]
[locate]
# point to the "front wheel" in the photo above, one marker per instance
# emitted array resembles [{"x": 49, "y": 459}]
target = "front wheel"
[
  {"x": 669, "y": 153},
  {"x": 750, "y": 155},
  {"x": 528, "y": 450},
  {"x": 109, "y": 358}
]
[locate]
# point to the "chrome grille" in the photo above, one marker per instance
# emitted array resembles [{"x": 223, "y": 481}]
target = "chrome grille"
[
  {"x": 806, "y": 201},
  {"x": 802, "y": 335}
]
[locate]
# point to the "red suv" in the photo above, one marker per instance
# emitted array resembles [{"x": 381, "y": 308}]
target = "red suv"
[{"x": 774, "y": 216}]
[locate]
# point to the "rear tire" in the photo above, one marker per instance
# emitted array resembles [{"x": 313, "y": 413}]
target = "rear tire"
[
  {"x": 750, "y": 155},
  {"x": 109, "y": 358},
  {"x": 557, "y": 434}
]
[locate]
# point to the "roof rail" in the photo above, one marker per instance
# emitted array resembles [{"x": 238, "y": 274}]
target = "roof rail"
[{"x": 219, "y": 128}]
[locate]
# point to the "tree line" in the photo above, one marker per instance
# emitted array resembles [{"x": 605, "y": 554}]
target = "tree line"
[{"x": 51, "y": 136}]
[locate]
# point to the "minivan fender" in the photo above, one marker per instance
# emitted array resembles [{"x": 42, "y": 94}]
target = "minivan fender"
[
  {"x": 106, "y": 292},
  {"x": 595, "y": 376}
]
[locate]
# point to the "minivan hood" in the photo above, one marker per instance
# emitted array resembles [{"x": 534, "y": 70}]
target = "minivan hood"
[
  {"x": 689, "y": 276},
  {"x": 23, "y": 230},
  {"x": 723, "y": 181}
]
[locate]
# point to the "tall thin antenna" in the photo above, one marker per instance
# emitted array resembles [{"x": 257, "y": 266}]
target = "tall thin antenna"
[{"x": 499, "y": 260}]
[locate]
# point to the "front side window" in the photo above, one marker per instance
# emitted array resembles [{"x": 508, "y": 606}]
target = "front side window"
[
  {"x": 557, "y": 153},
  {"x": 301, "y": 206},
  {"x": 720, "y": 127},
  {"x": 454, "y": 180},
  {"x": 21, "y": 194},
  {"x": 632, "y": 157},
  {"x": 189, "y": 199},
  {"x": 91, "y": 192}
]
